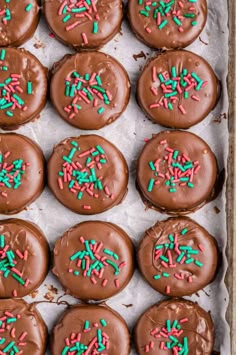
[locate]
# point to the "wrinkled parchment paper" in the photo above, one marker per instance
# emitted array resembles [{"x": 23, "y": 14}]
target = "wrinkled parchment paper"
[{"x": 128, "y": 132}]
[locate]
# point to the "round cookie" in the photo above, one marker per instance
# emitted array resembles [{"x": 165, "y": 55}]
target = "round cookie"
[
  {"x": 91, "y": 329},
  {"x": 178, "y": 323},
  {"x": 167, "y": 24},
  {"x": 23, "y": 330},
  {"x": 176, "y": 172},
  {"x": 21, "y": 172},
  {"x": 85, "y": 24},
  {"x": 178, "y": 257},
  {"x": 177, "y": 89},
  {"x": 23, "y": 87},
  {"x": 18, "y": 21},
  {"x": 24, "y": 258},
  {"x": 89, "y": 90},
  {"x": 87, "y": 174},
  {"x": 94, "y": 260}
]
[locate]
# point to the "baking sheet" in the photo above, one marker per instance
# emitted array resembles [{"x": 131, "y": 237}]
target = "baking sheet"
[{"x": 128, "y": 132}]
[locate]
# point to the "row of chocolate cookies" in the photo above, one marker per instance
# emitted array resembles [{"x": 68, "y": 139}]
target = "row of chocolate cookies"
[
  {"x": 97, "y": 329},
  {"x": 88, "y": 25},
  {"x": 90, "y": 90},
  {"x": 176, "y": 90},
  {"x": 94, "y": 260},
  {"x": 176, "y": 173}
]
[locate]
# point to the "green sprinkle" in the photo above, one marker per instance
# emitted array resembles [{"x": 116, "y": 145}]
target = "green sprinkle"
[
  {"x": 163, "y": 24},
  {"x": 188, "y": 261},
  {"x": 103, "y": 322},
  {"x": 198, "y": 263},
  {"x": 66, "y": 18},
  {"x": 177, "y": 21},
  {"x": 173, "y": 72},
  {"x": 95, "y": 27},
  {"x": 28, "y": 7},
  {"x": 3, "y": 54},
  {"x": 150, "y": 185},
  {"x": 29, "y": 88},
  {"x": 9, "y": 113},
  {"x": 75, "y": 144},
  {"x": 157, "y": 277},
  {"x": 86, "y": 324},
  {"x": 152, "y": 165},
  {"x": 101, "y": 110},
  {"x": 144, "y": 13},
  {"x": 184, "y": 231},
  {"x": 165, "y": 274},
  {"x": 19, "y": 279},
  {"x": 2, "y": 241}
]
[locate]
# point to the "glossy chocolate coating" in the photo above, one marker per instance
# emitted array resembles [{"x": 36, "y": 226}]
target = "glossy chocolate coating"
[
  {"x": 185, "y": 199},
  {"x": 73, "y": 320},
  {"x": 29, "y": 69},
  {"x": 110, "y": 14},
  {"x": 21, "y": 24},
  {"x": 169, "y": 37},
  {"x": 199, "y": 328},
  {"x": 113, "y": 77},
  {"x": 24, "y": 237},
  {"x": 113, "y": 174},
  {"x": 112, "y": 238},
  {"x": 191, "y": 278},
  {"x": 29, "y": 325},
  {"x": 32, "y": 181},
  {"x": 195, "y": 111}
]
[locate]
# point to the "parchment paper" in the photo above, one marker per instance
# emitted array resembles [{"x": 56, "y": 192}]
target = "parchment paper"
[{"x": 128, "y": 133}]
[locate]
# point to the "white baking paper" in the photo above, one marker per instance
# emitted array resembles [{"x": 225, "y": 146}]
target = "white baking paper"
[{"x": 128, "y": 133}]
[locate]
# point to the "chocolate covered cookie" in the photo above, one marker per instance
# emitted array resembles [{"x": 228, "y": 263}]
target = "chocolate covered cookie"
[
  {"x": 21, "y": 172},
  {"x": 177, "y": 89},
  {"x": 18, "y": 21},
  {"x": 94, "y": 260},
  {"x": 24, "y": 258},
  {"x": 87, "y": 174},
  {"x": 85, "y": 24},
  {"x": 174, "y": 326},
  {"x": 89, "y": 90},
  {"x": 22, "y": 328},
  {"x": 88, "y": 329},
  {"x": 177, "y": 257},
  {"x": 167, "y": 24},
  {"x": 176, "y": 172},
  {"x": 23, "y": 87}
]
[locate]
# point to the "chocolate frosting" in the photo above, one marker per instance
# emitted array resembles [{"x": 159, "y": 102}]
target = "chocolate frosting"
[
  {"x": 19, "y": 152},
  {"x": 196, "y": 324},
  {"x": 91, "y": 30},
  {"x": 182, "y": 112},
  {"x": 112, "y": 244},
  {"x": 30, "y": 257},
  {"x": 104, "y": 73},
  {"x": 88, "y": 321},
  {"x": 18, "y": 22},
  {"x": 171, "y": 197},
  {"x": 178, "y": 27},
  {"x": 26, "y": 81},
  {"x": 107, "y": 165},
  {"x": 163, "y": 246},
  {"x": 25, "y": 331}
]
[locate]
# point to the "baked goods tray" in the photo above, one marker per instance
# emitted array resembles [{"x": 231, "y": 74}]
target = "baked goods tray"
[
  {"x": 231, "y": 182},
  {"x": 128, "y": 134}
]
